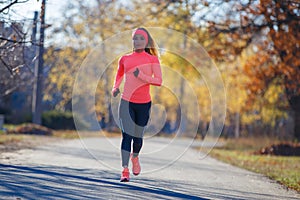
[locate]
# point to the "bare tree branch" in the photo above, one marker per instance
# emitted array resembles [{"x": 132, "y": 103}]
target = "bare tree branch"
[
  {"x": 8, "y": 6},
  {"x": 19, "y": 42},
  {"x": 6, "y": 65},
  {"x": 11, "y": 4}
]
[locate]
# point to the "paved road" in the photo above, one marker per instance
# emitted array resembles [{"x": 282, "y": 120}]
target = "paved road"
[{"x": 90, "y": 169}]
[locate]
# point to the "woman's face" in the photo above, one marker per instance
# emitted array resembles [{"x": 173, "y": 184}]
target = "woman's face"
[{"x": 139, "y": 42}]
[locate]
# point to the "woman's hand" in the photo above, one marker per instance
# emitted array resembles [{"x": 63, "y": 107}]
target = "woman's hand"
[
  {"x": 115, "y": 92},
  {"x": 136, "y": 72}
]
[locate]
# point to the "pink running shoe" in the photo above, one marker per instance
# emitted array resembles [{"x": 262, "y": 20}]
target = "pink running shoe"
[
  {"x": 125, "y": 175},
  {"x": 136, "y": 168}
]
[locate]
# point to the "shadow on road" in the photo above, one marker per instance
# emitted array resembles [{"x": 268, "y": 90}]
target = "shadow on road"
[{"x": 31, "y": 182}]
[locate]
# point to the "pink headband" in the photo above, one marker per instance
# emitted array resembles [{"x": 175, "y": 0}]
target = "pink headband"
[{"x": 141, "y": 32}]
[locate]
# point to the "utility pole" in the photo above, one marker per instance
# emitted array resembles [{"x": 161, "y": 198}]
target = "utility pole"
[
  {"x": 34, "y": 30},
  {"x": 35, "y": 64},
  {"x": 38, "y": 72}
]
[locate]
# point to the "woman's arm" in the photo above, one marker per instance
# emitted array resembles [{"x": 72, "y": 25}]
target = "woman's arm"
[
  {"x": 119, "y": 76},
  {"x": 156, "y": 79}
]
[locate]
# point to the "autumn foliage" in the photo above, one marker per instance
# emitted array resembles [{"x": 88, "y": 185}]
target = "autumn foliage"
[
  {"x": 269, "y": 32},
  {"x": 255, "y": 44}
]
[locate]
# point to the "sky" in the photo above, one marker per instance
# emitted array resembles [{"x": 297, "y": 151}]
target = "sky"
[
  {"x": 26, "y": 10},
  {"x": 24, "y": 13}
]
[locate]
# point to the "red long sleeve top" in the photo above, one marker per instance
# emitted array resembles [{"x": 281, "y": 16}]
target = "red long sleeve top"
[{"x": 137, "y": 89}]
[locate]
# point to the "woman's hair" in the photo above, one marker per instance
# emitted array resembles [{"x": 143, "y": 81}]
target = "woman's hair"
[{"x": 151, "y": 47}]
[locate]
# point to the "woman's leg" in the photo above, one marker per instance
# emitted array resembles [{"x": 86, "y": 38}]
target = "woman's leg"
[
  {"x": 142, "y": 114},
  {"x": 137, "y": 146},
  {"x": 125, "y": 148},
  {"x": 127, "y": 125}
]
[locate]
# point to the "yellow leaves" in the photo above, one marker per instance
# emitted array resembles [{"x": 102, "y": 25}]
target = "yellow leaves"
[
  {"x": 270, "y": 106},
  {"x": 272, "y": 94},
  {"x": 64, "y": 65},
  {"x": 78, "y": 28},
  {"x": 250, "y": 92},
  {"x": 235, "y": 90},
  {"x": 204, "y": 102}
]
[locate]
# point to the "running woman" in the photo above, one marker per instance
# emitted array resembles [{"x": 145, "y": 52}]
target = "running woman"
[{"x": 141, "y": 68}]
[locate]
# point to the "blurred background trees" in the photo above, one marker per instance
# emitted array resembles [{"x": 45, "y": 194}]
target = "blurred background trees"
[
  {"x": 17, "y": 54},
  {"x": 255, "y": 44},
  {"x": 267, "y": 28}
]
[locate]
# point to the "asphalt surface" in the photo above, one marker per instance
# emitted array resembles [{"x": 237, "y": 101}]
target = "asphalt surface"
[{"x": 90, "y": 169}]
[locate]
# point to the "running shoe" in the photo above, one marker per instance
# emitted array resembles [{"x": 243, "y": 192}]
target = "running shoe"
[
  {"x": 125, "y": 175},
  {"x": 136, "y": 168}
]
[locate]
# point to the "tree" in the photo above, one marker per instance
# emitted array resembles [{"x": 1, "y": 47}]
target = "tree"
[
  {"x": 15, "y": 69},
  {"x": 16, "y": 54},
  {"x": 63, "y": 64},
  {"x": 272, "y": 27},
  {"x": 226, "y": 28},
  {"x": 12, "y": 37}
]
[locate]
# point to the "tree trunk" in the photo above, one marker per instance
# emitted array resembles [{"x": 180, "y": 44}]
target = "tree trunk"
[
  {"x": 295, "y": 105},
  {"x": 237, "y": 125},
  {"x": 179, "y": 112}
]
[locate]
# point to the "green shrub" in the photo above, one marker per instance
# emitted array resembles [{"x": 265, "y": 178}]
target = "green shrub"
[{"x": 58, "y": 120}]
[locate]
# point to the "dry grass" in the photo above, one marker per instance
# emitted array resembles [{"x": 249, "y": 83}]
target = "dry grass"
[
  {"x": 71, "y": 134},
  {"x": 249, "y": 144},
  {"x": 14, "y": 141}
]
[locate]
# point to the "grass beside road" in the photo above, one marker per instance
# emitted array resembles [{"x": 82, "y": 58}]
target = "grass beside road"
[
  {"x": 4, "y": 138},
  {"x": 60, "y": 134},
  {"x": 63, "y": 134},
  {"x": 241, "y": 153},
  {"x": 15, "y": 141}
]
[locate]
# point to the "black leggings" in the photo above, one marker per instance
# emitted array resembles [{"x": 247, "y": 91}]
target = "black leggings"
[{"x": 133, "y": 119}]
